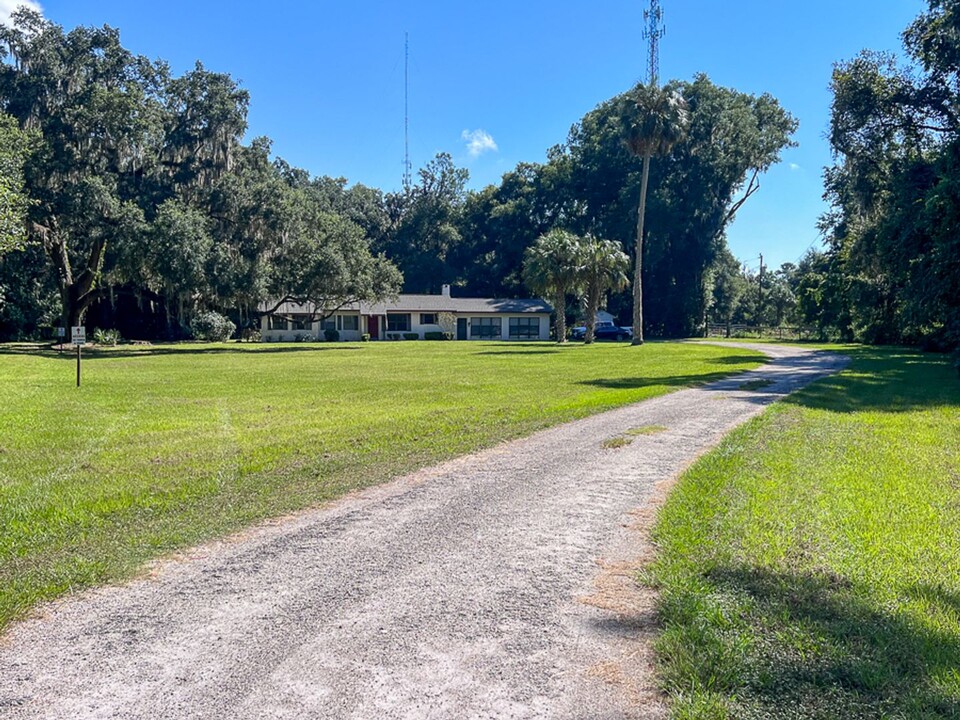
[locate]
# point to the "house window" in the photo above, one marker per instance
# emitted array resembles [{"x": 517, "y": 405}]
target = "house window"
[
  {"x": 487, "y": 327},
  {"x": 524, "y": 327},
  {"x": 301, "y": 322},
  {"x": 330, "y": 323},
  {"x": 428, "y": 318},
  {"x": 350, "y": 322},
  {"x": 398, "y": 322},
  {"x": 278, "y": 323}
]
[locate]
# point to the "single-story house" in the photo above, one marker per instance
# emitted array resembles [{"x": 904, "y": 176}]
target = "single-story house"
[{"x": 466, "y": 318}]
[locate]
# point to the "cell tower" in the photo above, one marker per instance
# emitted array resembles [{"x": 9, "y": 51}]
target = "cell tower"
[
  {"x": 407, "y": 182},
  {"x": 653, "y": 30}
]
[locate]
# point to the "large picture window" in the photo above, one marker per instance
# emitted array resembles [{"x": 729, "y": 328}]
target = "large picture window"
[
  {"x": 301, "y": 322},
  {"x": 398, "y": 322},
  {"x": 524, "y": 327},
  {"x": 278, "y": 323},
  {"x": 487, "y": 327},
  {"x": 350, "y": 322}
]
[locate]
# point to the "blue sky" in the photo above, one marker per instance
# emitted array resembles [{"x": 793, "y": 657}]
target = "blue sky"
[{"x": 326, "y": 78}]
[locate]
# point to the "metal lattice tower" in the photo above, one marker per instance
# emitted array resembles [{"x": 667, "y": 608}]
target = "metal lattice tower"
[
  {"x": 407, "y": 181},
  {"x": 652, "y": 32}
]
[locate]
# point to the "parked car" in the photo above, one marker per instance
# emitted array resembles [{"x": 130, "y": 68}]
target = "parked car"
[{"x": 603, "y": 331}]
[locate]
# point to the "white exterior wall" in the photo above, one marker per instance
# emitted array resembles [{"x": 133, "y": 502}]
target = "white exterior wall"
[
  {"x": 316, "y": 332},
  {"x": 421, "y": 329},
  {"x": 415, "y": 325},
  {"x": 505, "y": 325}
]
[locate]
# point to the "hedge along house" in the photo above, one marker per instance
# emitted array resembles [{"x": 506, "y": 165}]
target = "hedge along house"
[{"x": 415, "y": 315}]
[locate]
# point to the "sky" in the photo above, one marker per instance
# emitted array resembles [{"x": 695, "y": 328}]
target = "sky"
[{"x": 499, "y": 82}]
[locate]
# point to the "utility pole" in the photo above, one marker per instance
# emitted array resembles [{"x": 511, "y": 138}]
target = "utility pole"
[
  {"x": 652, "y": 32},
  {"x": 406, "y": 112}
]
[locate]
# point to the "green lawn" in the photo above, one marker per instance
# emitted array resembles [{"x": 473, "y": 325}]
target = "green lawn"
[
  {"x": 165, "y": 447},
  {"x": 810, "y": 566}
]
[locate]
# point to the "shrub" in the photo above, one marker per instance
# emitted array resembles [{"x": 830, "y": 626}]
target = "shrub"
[
  {"x": 304, "y": 337},
  {"x": 394, "y": 336},
  {"x": 250, "y": 335},
  {"x": 956, "y": 360},
  {"x": 331, "y": 335},
  {"x": 212, "y": 327},
  {"x": 365, "y": 337},
  {"x": 411, "y": 336},
  {"x": 447, "y": 322},
  {"x": 434, "y": 335},
  {"x": 106, "y": 337}
]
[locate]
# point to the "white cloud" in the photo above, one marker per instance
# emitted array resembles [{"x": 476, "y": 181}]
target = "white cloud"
[
  {"x": 794, "y": 167},
  {"x": 8, "y": 6},
  {"x": 478, "y": 141}
]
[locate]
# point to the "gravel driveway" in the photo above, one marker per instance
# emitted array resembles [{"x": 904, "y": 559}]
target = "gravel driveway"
[{"x": 494, "y": 586}]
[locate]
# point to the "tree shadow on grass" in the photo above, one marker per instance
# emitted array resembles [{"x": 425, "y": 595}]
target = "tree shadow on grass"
[
  {"x": 739, "y": 360},
  {"x": 145, "y": 351},
  {"x": 513, "y": 345},
  {"x": 518, "y": 352},
  {"x": 885, "y": 380},
  {"x": 822, "y": 649},
  {"x": 635, "y": 383}
]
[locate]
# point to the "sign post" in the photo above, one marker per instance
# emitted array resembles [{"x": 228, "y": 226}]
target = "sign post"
[{"x": 79, "y": 337}]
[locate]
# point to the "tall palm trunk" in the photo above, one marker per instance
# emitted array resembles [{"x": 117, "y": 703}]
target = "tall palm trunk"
[
  {"x": 638, "y": 265},
  {"x": 593, "y": 304},
  {"x": 561, "y": 324}
]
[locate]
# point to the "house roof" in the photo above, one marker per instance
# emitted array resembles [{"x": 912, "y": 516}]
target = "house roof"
[{"x": 432, "y": 303}]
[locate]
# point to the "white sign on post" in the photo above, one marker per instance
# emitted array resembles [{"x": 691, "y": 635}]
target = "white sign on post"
[
  {"x": 79, "y": 335},
  {"x": 61, "y": 332}
]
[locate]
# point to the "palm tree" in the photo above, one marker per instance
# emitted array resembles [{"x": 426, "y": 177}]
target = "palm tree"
[
  {"x": 654, "y": 120},
  {"x": 552, "y": 267},
  {"x": 605, "y": 267}
]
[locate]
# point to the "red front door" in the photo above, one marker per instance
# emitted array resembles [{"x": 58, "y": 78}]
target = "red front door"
[{"x": 373, "y": 326}]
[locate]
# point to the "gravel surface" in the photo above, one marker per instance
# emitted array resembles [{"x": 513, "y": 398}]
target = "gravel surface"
[{"x": 494, "y": 586}]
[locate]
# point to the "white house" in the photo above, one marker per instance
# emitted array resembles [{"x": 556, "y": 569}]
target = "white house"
[
  {"x": 469, "y": 318},
  {"x": 604, "y": 317}
]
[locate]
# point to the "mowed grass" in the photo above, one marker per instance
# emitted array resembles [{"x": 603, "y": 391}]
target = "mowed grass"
[
  {"x": 810, "y": 566},
  {"x": 165, "y": 447}
]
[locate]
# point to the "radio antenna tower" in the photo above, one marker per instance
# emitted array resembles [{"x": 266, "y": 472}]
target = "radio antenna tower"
[
  {"x": 406, "y": 112},
  {"x": 653, "y": 30}
]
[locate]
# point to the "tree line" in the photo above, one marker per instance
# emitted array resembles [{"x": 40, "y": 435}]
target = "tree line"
[
  {"x": 127, "y": 194},
  {"x": 890, "y": 272},
  {"x": 129, "y": 198},
  {"x": 140, "y": 205}
]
